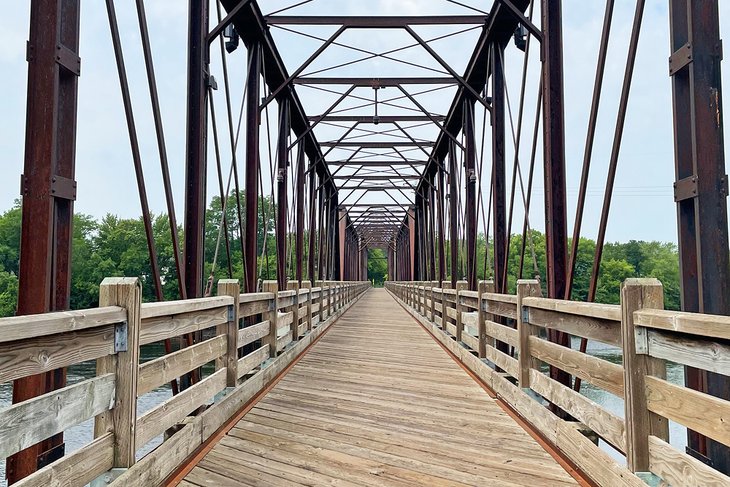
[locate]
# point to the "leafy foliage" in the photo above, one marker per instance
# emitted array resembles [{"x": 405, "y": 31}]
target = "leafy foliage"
[{"x": 116, "y": 246}]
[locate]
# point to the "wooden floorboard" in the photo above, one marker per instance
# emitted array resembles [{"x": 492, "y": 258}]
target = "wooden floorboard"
[{"x": 377, "y": 402}]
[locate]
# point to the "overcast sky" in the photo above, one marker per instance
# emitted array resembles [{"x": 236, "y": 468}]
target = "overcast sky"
[{"x": 643, "y": 207}]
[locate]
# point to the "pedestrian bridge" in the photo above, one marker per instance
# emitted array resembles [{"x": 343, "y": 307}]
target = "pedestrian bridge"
[{"x": 342, "y": 384}]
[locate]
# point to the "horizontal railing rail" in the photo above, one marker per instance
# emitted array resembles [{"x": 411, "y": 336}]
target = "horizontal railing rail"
[
  {"x": 245, "y": 341},
  {"x": 503, "y": 340}
]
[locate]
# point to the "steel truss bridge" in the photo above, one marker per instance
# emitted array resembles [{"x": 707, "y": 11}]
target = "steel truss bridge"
[{"x": 442, "y": 378}]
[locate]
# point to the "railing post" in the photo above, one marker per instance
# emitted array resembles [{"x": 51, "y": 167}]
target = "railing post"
[
  {"x": 294, "y": 327},
  {"x": 122, "y": 418},
  {"x": 488, "y": 288},
  {"x": 460, "y": 286},
  {"x": 525, "y": 288},
  {"x": 639, "y": 294},
  {"x": 481, "y": 323},
  {"x": 308, "y": 285},
  {"x": 273, "y": 317},
  {"x": 231, "y": 287}
]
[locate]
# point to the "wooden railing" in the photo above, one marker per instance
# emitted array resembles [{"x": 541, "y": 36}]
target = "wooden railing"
[
  {"x": 502, "y": 339},
  {"x": 278, "y": 326}
]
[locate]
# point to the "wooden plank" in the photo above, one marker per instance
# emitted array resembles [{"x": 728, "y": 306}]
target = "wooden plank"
[
  {"x": 606, "y": 424},
  {"x": 283, "y": 341},
  {"x": 678, "y": 468},
  {"x": 158, "y": 419},
  {"x": 471, "y": 341},
  {"x": 254, "y": 308},
  {"x": 599, "y": 329},
  {"x": 77, "y": 468},
  {"x": 610, "y": 312},
  {"x": 503, "y": 361},
  {"x": 501, "y": 298},
  {"x": 162, "y": 370},
  {"x": 171, "y": 308},
  {"x": 708, "y": 415},
  {"x": 26, "y": 423},
  {"x": 508, "y": 310},
  {"x": 252, "y": 333},
  {"x": 45, "y": 353},
  {"x": 710, "y": 355},
  {"x": 502, "y": 333},
  {"x": 255, "y": 297},
  {"x": 285, "y": 320},
  {"x": 602, "y": 469},
  {"x": 156, "y": 466},
  {"x": 600, "y": 373},
  {"x": 31, "y": 326},
  {"x": 249, "y": 362},
  {"x": 162, "y": 327},
  {"x": 710, "y": 326}
]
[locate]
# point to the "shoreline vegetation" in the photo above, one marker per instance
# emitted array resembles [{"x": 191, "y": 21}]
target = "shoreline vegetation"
[{"x": 114, "y": 246}]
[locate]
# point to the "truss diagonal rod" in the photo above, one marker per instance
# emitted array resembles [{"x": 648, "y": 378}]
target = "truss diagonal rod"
[
  {"x": 304, "y": 66},
  {"x": 327, "y": 112},
  {"x": 134, "y": 144},
  {"x": 446, "y": 66},
  {"x": 588, "y": 152},
  {"x": 161, "y": 146}
]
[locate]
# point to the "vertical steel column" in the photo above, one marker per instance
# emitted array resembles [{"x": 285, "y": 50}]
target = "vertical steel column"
[
  {"x": 441, "y": 225},
  {"x": 282, "y": 197},
  {"x": 195, "y": 152},
  {"x": 556, "y": 218},
  {"x": 312, "y": 224},
  {"x": 322, "y": 231},
  {"x": 252, "y": 166},
  {"x": 431, "y": 229},
  {"x": 343, "y": 244},
  {"x": 48, "y": 190},
  {"x": 411, "y": 244},
  {"x": 499, "y": 180},
  {"x": 702, "y": 186},
  {"x": 453, "y": 214},
  {"x": 299, "y": 243},
  {"x": 470, "y": 214}
]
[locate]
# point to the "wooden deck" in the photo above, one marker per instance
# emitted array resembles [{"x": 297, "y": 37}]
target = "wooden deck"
[{"x": 377, "y": 402}]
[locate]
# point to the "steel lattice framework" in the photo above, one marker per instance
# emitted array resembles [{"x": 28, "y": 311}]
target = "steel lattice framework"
[{"x": 403, "y": 172}]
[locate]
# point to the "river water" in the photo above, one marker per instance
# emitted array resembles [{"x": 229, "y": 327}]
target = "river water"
[{"x": 83, "y": 434}]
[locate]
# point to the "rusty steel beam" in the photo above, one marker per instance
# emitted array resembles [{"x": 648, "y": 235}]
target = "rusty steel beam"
[
  {"x": 282, "y": 199},
  {"x": 376, "y": 119},
  {"x": 374, "y": 82},
  {"x": 299, "y": 218},
  {"x": 195, "y": 152},
  {"x": 377, "y": 145},
  {"x": 49, "y": 190},
  {"x": 500, "y": 231},
  {"x": 253, "y": 163},
  {"x": 556, "y": 216},
  {"x": 701, "y": 188},
  {"x": 376, "y": 21},
  {"x": 470, "y": 212}
]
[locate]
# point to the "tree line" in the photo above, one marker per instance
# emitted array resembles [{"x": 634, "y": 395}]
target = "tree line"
[{"x": 114, "y": 246}]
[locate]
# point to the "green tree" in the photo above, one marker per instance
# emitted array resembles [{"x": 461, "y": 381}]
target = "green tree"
[{"x": 377, "y": 266}]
